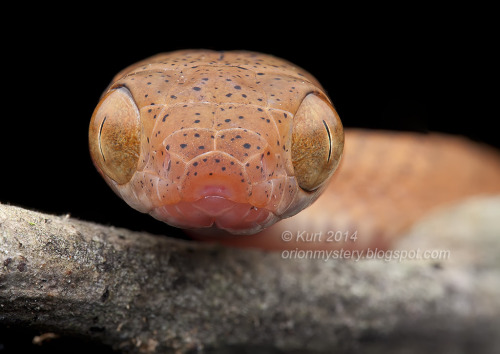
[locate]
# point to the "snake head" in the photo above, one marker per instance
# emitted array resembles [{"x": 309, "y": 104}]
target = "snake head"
[{"x": 200, "y": 139}]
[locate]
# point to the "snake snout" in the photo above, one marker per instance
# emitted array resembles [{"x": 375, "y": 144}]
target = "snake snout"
[
  {"x": 215, "y": 211},
  {"x": 220, "y": 201}
]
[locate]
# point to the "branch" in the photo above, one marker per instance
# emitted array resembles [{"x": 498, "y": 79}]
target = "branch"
[{"x": 138, "y": 292}]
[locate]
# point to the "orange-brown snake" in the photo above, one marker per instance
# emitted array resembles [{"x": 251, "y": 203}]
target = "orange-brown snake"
[{"x": 237, "y": 141}]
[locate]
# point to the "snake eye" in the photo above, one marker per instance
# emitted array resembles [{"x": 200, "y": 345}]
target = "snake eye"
[
  {"x": 317, "y": 142},
  {"x": 114, "y": 135}
]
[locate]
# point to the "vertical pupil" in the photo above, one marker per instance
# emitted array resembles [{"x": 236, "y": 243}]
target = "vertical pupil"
[
  {"x": 100, "y": 133},
  {"x": 329, "y": 141}
]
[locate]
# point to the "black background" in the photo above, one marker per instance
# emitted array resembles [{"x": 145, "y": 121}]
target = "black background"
[{"x": 407, "y": 69}]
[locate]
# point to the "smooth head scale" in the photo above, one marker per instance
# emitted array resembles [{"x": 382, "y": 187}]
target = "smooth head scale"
[{"x": 203, "y": 139}]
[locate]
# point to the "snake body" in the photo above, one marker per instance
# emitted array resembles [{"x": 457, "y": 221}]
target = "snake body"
[{"x": 237, "y": 141}]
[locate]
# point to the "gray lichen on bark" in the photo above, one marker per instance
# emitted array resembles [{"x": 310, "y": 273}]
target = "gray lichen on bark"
[{"x": 139, "y": 292}]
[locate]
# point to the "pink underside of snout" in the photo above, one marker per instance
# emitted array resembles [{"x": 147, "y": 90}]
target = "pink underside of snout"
[{"x": 215, "y": 210}]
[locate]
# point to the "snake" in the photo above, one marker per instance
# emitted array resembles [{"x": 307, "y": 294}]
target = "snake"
[{"x": 240, "y": 147}]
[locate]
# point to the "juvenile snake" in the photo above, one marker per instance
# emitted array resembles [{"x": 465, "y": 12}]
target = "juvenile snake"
[{"x": 237, "y": 141}]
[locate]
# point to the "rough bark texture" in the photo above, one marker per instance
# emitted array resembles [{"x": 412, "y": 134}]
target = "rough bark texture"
[{"x": 144, "y": 293}]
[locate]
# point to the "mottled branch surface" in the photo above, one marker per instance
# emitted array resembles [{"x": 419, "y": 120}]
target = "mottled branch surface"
[{"x": 143, "y": 293}]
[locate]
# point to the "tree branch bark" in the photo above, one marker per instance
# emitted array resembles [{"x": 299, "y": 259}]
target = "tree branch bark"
[{"x": 143, "y": 293}]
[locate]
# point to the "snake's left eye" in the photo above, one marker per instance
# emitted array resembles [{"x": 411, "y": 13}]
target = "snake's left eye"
[
  {"x": 317, "y": 142},
  {"x": 114, "y": 135}
]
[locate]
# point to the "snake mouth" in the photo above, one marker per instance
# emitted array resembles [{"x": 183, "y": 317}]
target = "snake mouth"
[{"x": 216, "y": 211}]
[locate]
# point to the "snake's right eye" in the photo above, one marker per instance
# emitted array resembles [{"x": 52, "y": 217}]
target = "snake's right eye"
[{"x": 114, "y": 135}]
